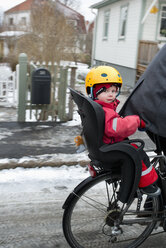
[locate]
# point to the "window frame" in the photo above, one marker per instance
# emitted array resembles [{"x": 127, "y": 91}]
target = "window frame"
[
  {"x": 160, "y": 17},
  {"x": 121, "y": 22},
  {"x": 23, "y": 21},
  {"x": 11, "y": 21},
  {"x": 72, "y": 23},
  {"x": 106, "y": 22}
]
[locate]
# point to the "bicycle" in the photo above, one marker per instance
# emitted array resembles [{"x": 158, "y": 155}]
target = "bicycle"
[{"x": 99, "y": 212}]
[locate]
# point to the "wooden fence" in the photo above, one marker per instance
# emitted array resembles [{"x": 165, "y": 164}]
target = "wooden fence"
[
  {"x": 61, "y": 105},
  {"x": 147, "y": 50}
]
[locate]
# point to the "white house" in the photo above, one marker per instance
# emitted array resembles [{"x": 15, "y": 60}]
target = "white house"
[{"x": 127, "y": 35}]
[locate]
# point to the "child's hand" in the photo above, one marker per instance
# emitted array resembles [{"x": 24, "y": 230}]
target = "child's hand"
[
  {"x": 142, "y": 126},
  {"x": 78, "y": 140}
]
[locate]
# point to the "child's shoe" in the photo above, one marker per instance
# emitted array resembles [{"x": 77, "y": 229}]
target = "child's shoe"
[{"x": 151, "y": 190}]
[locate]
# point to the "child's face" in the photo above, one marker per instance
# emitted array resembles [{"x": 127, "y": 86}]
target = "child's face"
[{"x": 109, "y": 95}]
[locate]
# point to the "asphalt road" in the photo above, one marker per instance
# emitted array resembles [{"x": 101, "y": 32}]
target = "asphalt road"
[{"x": 18, "y": 140}]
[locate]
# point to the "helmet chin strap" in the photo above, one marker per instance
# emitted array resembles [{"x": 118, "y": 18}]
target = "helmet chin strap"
[
  {"x": 91, "y": 92},
  {"x": 118, "y": 93}
]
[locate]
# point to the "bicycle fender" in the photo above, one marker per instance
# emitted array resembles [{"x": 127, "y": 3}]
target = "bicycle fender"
[{"x": 77, "y": 190}]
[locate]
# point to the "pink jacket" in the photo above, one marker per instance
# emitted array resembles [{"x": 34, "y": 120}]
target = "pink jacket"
[{"x": 117, "y": 128}]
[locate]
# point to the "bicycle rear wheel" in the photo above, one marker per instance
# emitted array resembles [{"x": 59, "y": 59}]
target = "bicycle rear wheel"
[{"x": 95, "y": 217}]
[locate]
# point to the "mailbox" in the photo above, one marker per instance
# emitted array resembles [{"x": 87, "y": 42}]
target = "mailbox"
[{"x": 41, "y": 86}]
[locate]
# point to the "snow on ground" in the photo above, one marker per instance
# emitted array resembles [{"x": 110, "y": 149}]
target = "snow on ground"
[
  {"x": 5, "y": 71},
  {"x": 30, "y": 180},
  {"x": 75, "y": 122},
  {"x": 5, "y": 134}
]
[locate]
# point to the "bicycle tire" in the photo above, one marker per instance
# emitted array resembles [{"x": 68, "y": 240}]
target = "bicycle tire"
[{"x": 88, "y": 214}]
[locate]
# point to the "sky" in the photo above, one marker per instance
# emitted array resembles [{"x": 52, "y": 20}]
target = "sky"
[{"x": 84, "y": 7}]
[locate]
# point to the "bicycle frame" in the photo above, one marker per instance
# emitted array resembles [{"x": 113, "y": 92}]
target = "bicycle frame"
[{"x": 159, "y": 163}]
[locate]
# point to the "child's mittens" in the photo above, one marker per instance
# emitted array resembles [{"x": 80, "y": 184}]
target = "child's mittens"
[
  {"x": 80, "y": 144},
  {"x": 78, "y": 140},
  {"x": 142, "y": 126}
]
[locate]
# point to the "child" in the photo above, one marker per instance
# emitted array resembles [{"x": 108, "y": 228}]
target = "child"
[{"x": 103, "y": 84}]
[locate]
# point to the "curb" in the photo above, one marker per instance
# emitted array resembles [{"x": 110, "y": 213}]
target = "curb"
[
  {"x": 47, "y": 160},
  {"x": 31, "y": 164}
]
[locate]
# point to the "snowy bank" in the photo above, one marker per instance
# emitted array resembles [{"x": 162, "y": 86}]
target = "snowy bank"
[{"x": 53, "y": 160}]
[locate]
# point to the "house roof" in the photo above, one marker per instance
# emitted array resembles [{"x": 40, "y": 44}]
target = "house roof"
[
  {"x": 72, "y": 14},
  {"x": 102, "y": 4},
  {"x": 24, "y": 6}
]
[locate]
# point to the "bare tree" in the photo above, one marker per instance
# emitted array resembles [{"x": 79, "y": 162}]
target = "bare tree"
[
  {"x": 49, "y": 35},
  {"x": 74, "y": 4}
]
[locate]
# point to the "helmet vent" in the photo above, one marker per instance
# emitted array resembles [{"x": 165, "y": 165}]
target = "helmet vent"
[{"x": 104, "y": 75}]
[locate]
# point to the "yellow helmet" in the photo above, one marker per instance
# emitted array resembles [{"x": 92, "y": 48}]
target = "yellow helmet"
[{"x": 102, "y": 74}]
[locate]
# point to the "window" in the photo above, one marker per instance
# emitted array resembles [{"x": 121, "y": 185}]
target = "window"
[
  {"x": 11, "y": 22},
  {"x": 72, "y": 23},
  {"x": 162, "y": 30},
  {"x": 23, "y": 20},
  {"x": 123, "y": 20},
  {"x": 106, "y": 24}
]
